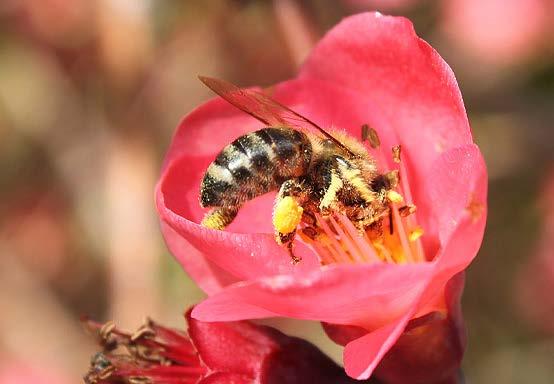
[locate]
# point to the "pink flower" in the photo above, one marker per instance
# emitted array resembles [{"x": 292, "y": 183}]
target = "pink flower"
[
  {"x": 211, "y": 353},
  {"x": 380, "y": 4},
  {"x": 370, "y": 69},
  {"x": 498, "y": 32},
  {"x": 19, "y": 372}
]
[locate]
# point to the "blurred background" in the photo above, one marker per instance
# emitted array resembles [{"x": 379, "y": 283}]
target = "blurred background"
[{"x": 91, "y": 92}]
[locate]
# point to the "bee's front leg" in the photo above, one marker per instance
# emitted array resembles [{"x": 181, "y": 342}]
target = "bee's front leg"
[{"x": 287, "y": 214}]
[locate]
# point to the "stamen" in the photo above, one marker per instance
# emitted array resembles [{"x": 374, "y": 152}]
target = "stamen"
[
  {"x": 382, "y": 250},
  {"x": 153, "y": 354},
  {"x": 412, "y": 217},
  {"x": 407, "y": 210},
  {"x": 371, "y": 135},
  {"x": 368, "y": 254},
  {"x": 339, "y": 241},
  {"x": 348, "y": 244},
  {"x": 396, "y": 153},
  {"x": 402, "y": 235},
  {"x": 384, "y": 231},
  {"x": 336, "y": 249}
]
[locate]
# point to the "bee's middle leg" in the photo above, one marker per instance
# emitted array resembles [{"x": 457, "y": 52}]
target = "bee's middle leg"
[{"x": 287, "y": 213}]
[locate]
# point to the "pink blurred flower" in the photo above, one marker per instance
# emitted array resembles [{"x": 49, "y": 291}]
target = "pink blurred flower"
[
  {"x": 18, "y": 372},
  {"x": 536, "y": 279},
  {"x": 380, "y": 5},
  {"x": 61, "y": 23},
  {"x": 498, "y": 32},
  {"x": 211, "y": 353},
  {"x": 369, "y": 69}
]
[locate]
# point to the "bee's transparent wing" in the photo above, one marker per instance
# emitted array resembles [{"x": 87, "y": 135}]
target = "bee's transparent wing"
[{"x": 264, "y": 108}]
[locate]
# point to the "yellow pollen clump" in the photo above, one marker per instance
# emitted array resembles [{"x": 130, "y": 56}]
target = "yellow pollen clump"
[
  {"x": 287, "y": 215},
  {"x": 415, "y": 233},
  {"x": 394, "y": 197}
]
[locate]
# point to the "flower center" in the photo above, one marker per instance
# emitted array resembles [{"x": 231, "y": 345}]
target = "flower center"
[
  {"x": 153, "y": 354},
  {"x": 395, "y": 237}
]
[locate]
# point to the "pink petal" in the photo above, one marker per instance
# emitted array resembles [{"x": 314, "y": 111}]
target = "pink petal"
[
  {"x": 261, "y": 354},
  {"x": 455, "y": 187},
  {"x": 20, "y": 372},
  {"x": 206, "y": 274},
  {"x": 406, "y": 86},
  {"x": 431, "y": 348},
  {"x": 454, "y": 257},
  {"x": 177, "y": 191},
  {"x": 457, "y": 207},
  {"x": 238, "y": 347},
  {"x": 343, "y": 334},
  {"x": 226, "y": 378},
  {"x": 242, "y": 255},
  {"x": 363, "y": 295},
  {"x": 334, "y": 107},
  {"x": 380, "y": 4},
  {"x": 457, "y": 180},
  {"x": 330, "y": 106},
  {"x": 208, "y": 128},
  {"x": 362, "y": 355}
]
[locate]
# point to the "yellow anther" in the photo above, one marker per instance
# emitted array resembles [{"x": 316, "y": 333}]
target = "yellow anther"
[
  {"x": 415, "y": 233},
  {"x": 287, "y": 215},
  {"x": 394, "y": 197}
]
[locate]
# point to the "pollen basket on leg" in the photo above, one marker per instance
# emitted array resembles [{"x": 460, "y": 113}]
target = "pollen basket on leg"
[{"x": 287, "y": 215}]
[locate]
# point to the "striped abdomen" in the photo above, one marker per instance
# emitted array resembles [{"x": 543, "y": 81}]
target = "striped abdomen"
[{"x": 254, "y": 164}]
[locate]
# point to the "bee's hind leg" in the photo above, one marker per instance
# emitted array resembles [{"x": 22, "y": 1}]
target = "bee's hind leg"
[
  {"x": 287, "y": 214},
  {"x": 287, "y": 241},
  {"x": 219, "y": 218}
]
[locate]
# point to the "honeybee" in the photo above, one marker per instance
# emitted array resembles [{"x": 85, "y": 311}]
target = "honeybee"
[{"x": 315, "y": 172}]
